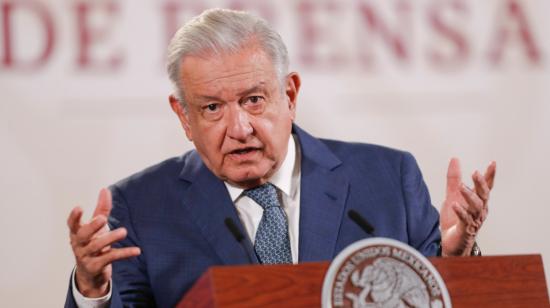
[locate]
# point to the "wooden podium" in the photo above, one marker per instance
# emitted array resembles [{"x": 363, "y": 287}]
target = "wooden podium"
[{"x": 493, "y": 281}]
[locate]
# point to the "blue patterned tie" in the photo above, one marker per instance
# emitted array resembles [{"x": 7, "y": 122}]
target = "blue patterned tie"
[{"x": 272, "y": 243}]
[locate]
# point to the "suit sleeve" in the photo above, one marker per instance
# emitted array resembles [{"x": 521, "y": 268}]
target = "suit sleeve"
[{"x": 422, "y": 217}]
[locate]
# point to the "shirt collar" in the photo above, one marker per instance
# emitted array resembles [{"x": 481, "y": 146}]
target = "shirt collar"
[{"x": 282, "y": 178}]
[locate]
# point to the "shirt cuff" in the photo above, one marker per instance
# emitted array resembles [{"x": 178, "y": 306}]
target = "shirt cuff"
[{"x": 87, "y": 302}]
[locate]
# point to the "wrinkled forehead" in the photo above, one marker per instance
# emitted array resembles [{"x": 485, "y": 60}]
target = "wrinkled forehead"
[{"x": 214, "y": 72}]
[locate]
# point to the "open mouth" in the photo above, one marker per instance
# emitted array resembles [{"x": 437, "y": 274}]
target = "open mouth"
[{"x": 244, "y": 151}]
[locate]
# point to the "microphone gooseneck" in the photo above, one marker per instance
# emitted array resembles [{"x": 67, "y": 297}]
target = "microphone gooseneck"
[
  {"x": 361, "y": 222},
  {"x": 239, "y": 236}
]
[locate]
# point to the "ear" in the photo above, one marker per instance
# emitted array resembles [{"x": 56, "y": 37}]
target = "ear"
[
  {"x": 293, "y": 83},
  {"x": 182, "y": 115}
]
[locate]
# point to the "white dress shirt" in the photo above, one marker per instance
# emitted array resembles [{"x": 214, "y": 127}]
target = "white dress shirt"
[{"x": 287, "y": 181}]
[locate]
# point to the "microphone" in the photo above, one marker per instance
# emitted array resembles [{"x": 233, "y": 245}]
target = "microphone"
[
  {"x": 361, "y": 222},
  {"x": 238, "y": 235}
]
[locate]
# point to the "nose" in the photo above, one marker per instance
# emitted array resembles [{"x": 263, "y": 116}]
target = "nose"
[{"x": 239, "y": 127}]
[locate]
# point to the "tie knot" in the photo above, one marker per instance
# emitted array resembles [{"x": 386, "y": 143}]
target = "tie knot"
[{"x": 265, "y": 195}]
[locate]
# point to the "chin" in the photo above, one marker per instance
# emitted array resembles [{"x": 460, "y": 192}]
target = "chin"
[{"x": 247, "y": 179}]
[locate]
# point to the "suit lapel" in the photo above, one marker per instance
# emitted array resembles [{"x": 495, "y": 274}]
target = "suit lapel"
[
  {"x": 208, "y": 203},
  {"x": 323, "y": 193}
]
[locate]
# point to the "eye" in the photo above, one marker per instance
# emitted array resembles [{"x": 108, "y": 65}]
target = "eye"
[
  {"x": 212, "y": 111},
  {"x": 255, "y": 104},
  {"x": 211, "y": 107},
  {"x": 254, "y": 99}
]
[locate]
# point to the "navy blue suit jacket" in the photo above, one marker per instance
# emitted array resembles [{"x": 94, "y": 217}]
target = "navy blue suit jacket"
[{"x": 175, "y": 212}]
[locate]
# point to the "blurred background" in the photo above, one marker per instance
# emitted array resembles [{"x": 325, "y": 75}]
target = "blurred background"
[{"x": 83, "y": 98}]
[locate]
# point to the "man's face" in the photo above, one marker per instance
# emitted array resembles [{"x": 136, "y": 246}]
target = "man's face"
[{"x": 238, "y": 116}]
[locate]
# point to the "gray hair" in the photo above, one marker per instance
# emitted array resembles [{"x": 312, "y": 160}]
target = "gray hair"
[{"x": 222, "y": 31}]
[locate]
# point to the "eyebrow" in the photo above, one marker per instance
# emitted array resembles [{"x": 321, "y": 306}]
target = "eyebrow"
[{"x": 257, "y": 88}]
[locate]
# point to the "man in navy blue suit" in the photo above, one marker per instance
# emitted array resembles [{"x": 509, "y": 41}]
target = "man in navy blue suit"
[{"x": 153, "y": 234}]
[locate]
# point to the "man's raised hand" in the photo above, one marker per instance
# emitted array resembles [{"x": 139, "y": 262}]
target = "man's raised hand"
[
  {"x": 464, "y": 209},
  {"x": 91, "y": 244}
]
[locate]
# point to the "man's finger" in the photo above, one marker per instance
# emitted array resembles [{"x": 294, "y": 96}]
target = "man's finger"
[
  {"x": 73, "y": 221},
  {"x": 104, "y": 203},
  {"x": 87, "y": 231},
  {"x": 475, "y": 204},
  {"x": 490, "y": 174},
  {"x": 480, "y": 186},
  {"x": 454, "y": 176},
  {"x": 462, "y": 214},
  {"x": 98, "y": 245},
  {"x": 116, "y": 254}
]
